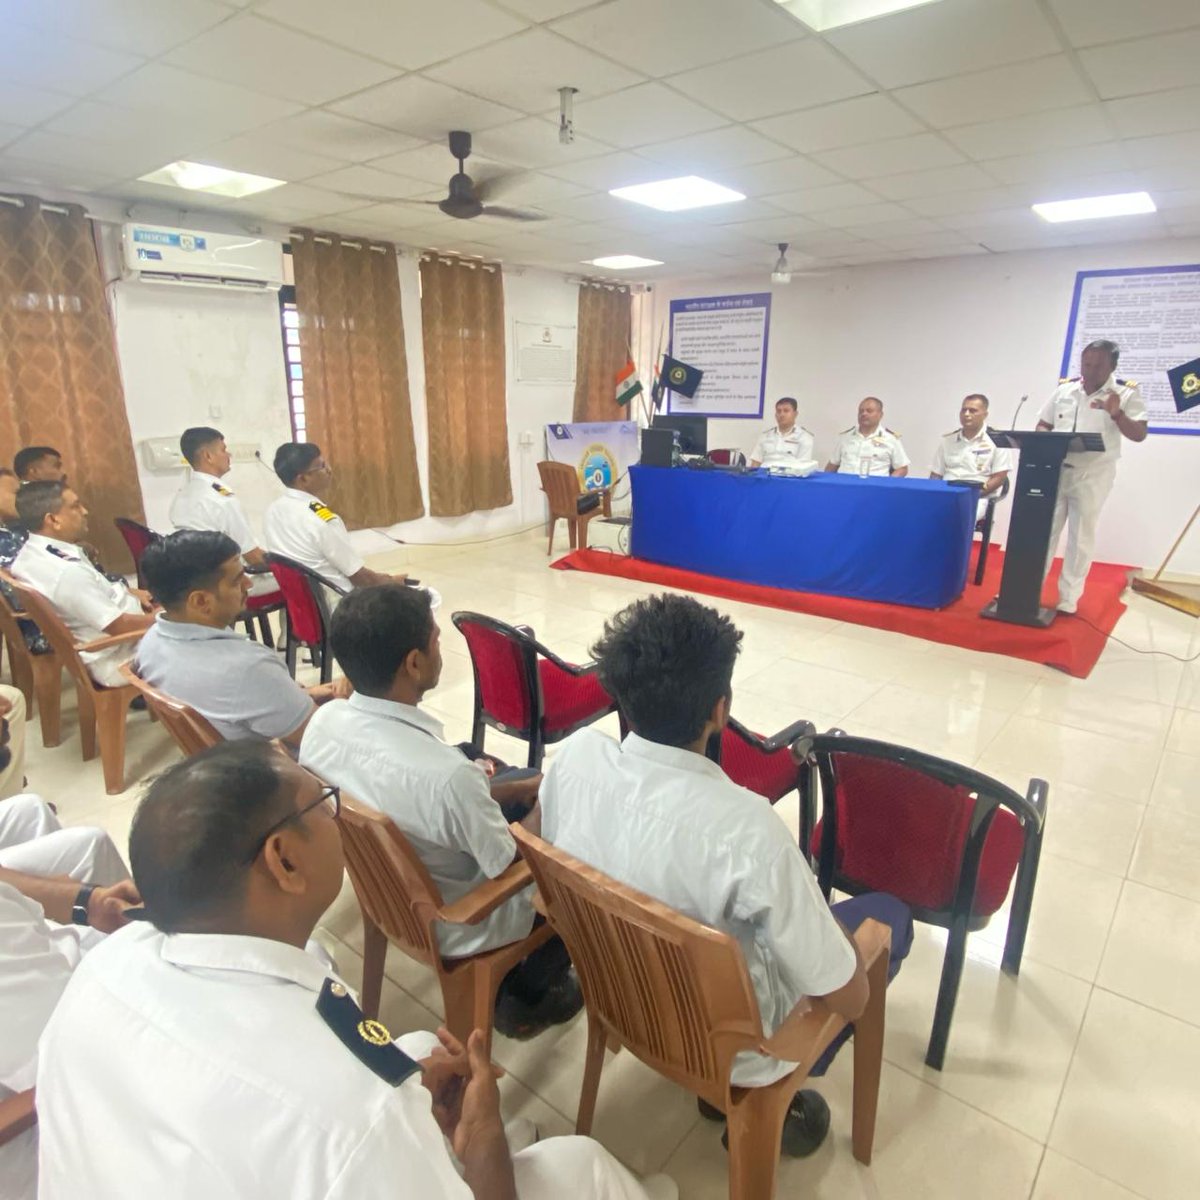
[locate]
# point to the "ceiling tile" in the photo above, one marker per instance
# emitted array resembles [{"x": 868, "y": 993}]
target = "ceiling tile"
[
  {"x": 300, "y": 202},
  {"x": 819, "y": 199},
  {"x": 322, "y": 132},
  {"x": 609, "y": 171},
  {"x": 62, "y": 64},
  {"x": 546, "y": 10},
  {"x": 829, "y": 242},
  {"x": 22, "y": 173},
  {"x": 141, "y": 26},
  {"x": 533, "y": 142},
  {"x": 1065, "y": 164},
  {"x": 917, "y": 153},
  {"x": 1076, "y": 184},
  {"x": 937, "y": 40},
  {"x": 408, "y": 33},
  {"x": 962, "y": 203},
  {"x": 846, "y": 123},
  {"x": 1165, "y": 149},
  {"x": 729, "y": 214},
  {"x": 366, "y": 185},
  {"x": 262, "y": 155},
  {"x": 781, "y": 175},
  {"x": 10, "y": 133},
  {"x": 526, "y": 71},
  {"x": 861, "y": 214},
  {"x": 1160, "y": 112},
  {"x": 1164, "y": 178},
  {"x": 113, "y": 123},
  {"x": 786, "y": 227},
  {"x": 1028, "y": 134},
  {"x": 1090, "y": 22},
  {"x": 433, "y": 164},
  {"x": 29, "y": 105},
  {"x": 663, "y": 37},
  {"x": 643, "y": 114},
  {"x": 1150, "y": 64},
  {"x": 598, "y": 206},
  {"x": 1009, "y": 91},
  {"x": 937, "y": 182},
  {"x": 424, "y": 108},
  {"x": 715, "y": 154},
  {"x": 254, "y": 53},
  {"x": 785, "y": 77},
  {"x": 112, "y": 161}
]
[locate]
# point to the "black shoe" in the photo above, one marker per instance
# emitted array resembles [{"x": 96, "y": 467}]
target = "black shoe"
[
  {"x": 804, "y": 1127},
  {"x": 515, "y": 1018},
  {"x": 138, "y": 704},
  {"x": 710, "y": 1112}
]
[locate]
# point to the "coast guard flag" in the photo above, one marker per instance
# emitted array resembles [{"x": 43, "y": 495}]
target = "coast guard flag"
[
  {"x": 1185, "y": 385},
  {"x": 679, "y": 377}
]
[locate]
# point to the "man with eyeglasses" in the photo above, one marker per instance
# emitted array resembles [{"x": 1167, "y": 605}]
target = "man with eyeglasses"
[{"x": 208, "y": 1054}]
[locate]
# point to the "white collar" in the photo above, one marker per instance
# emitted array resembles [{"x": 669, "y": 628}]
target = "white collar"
[
  {"x": 68, "y": 548},
  {"x": 238, "y": 952},
  {"x": 981, "y": 434},
  {"x": 408, "y": 714},
  {"x": 205, "y": 477},
  {"x": 307, "y": 497},
  {"x": 671, "y": 756}
]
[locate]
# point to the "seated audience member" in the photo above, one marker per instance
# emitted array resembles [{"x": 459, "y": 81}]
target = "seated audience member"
[
  {"x": 192, "y": 654},
  {"x": 12, "y": 741},
  {"x": 12, "y": 537},
  {"x": 787, "y": 443},
  {"x": 300, "y": 526},
  {"x": 90, "y": 605},
  {"x": 60, "y": 890},
  {"x": 246, "y": 1057},
  {"x": 389, "y": 753},
  {"x": 204, "y": 502},
  {"x": 656, "y": 814},
  {"x": 870, "y": 448},
  {"x": 39, "y": 464},
  {"x": 969, "y": 455}
]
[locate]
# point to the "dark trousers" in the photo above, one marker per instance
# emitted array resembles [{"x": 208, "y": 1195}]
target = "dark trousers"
[{"x": 535, "y": 975}]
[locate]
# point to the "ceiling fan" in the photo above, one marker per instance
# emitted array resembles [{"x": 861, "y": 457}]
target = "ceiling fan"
[{"x": 782, "y": 271}]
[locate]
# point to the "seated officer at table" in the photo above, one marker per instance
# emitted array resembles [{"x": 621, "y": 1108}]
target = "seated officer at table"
[
  {"x": 968, "y": 454},
  {"x": 871, "y": 444},
  {"x": 656, "y": 814},
  {"x": 787, "y": 443},
  {"x": 90, "y": 604},
  {"x": 210, "y": 1055},
  {"x": 193, "y": 654},
  {"x": 302, "y": 527}
]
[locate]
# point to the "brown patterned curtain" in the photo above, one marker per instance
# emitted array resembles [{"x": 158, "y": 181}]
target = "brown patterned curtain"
[
  {"x": 356, "y": 396},
  {"x": 462, "y": 315},
  {"x": 59, "y": 381},
  {"x": 602, "y": 348}
]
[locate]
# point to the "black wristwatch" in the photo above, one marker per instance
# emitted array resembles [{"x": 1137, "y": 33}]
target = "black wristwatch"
[{"x": 79, "y": 910}]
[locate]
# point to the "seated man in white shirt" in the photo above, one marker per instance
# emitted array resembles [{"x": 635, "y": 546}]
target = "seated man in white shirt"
[
  {"x": 869, "y": 448},
  {"x": 389, "y": 753},
  {"x": 787, "y": 445},
  {"x": 90, "y": 604},
  {"x": 656, "y": 814},
  {"x": 12, "y": 741},
  {"x": 968, "y": 454},
  {"x": 204, "y": 502},
  {"x": 245, "y": 1057}
]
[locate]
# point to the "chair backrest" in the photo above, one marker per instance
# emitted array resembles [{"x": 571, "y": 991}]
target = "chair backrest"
[
  {"x": 742, "y": 757},
  {"x": 191, "y": 731},
  {"x": 560, "y": 482},
  {"x": 506, "y": 671},
  {"x": 137, "y": 538},
  {"x": 307, "y": 608},
  {"x": 727, "y": 458},
  {"x": 394, "y": 890},
  {"x": 61, "y": 639},
  {"x": 10, "y": 631}
]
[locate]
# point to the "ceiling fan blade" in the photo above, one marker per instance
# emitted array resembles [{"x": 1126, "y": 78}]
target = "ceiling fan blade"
[
  {"x": 495, "y": 187},
  {"x": 367, "y": 199},
  {"x": 513, "y": 214}
]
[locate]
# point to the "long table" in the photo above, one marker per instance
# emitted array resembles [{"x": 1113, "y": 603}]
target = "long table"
[{"x": 900, "y": 541}]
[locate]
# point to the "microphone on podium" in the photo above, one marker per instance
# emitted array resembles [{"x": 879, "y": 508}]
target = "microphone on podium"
[{"x": 1013, "y": 422}]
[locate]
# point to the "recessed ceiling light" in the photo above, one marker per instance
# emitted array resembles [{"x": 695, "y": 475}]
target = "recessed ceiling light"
[
  {"x": 217, "y": 181},
  {"x": 832, "y": 14},
  {"x": 1125, "y": 204},
  {"x": 624, "y": 262},
  {"x": 675, "y": 195}
]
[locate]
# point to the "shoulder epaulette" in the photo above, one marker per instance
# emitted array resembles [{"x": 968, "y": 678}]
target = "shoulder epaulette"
[
  {"x": 1070, "y": 379},
  {"x": 850, "y": 430},
  {"x": 803, "y": 429},
  {"x": 61, "y": 554},
  {"x": 221, "y": 489},
  {"x": 953, "y": 432},
  {"x": 369, "y": 1041},
  {"x": 1126, "y": 383},
  {"x": 891, "y": 431},
  {"x": 322, "y": 510}
]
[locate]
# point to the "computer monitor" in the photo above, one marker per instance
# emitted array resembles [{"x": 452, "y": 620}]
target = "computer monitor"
[{"x": 693, "y": 432}]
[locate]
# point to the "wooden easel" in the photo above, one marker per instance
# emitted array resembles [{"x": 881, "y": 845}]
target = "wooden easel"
[{"x": 1182, "y": 596}]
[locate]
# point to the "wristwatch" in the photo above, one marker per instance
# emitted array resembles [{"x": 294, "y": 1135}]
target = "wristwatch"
[{"x": 79, "y": 910}]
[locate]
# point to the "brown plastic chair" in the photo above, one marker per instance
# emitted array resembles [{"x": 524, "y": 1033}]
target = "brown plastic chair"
[
  {"x": 401, "y": 904},
  {"x": 560, "y": 482},
  {"x": 190, "y": 731},
  {"x": 677, "y": 995},
  {"x": 38, "y": 677},
  {"x": 102, "y": 710},
  {"x": 17, "y": 1114}
]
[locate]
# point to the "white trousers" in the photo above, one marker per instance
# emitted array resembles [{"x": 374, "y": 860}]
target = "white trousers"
[
  {"x": 12, "y": 777},
  {"x": 1082, "y": 491},
  {"x": 33, "y": 840}
]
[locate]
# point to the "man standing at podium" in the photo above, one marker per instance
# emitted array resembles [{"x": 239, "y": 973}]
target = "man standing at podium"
[{"x": 1096, "y": 402}]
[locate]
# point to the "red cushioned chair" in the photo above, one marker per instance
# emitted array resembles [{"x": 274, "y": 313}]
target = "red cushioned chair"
[
  {"x": 943, "y": 838},
  {"x": 764, "y": 765},
  {"x": 308, "y": 612},
  {"x": 525, "y": 690},
  {"x": 726, "y": 458},
  {"x": 137, "y": 538}
]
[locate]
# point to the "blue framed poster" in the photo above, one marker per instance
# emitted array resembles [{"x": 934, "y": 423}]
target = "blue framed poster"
[{"x": 726, "y": 337}]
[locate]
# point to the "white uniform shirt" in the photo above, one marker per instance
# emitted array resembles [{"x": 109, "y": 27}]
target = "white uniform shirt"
[
  {"x": 882, "y": 449},
  {"x": 204, "y": 502},
  {"x": 85, "y": 600},
  {"x": 1070, "y": 410},
  {"x": 243, "y": 688},
  {"x": 672, "y": 824},
  {"x": 394, "y": 757},
  {"x": 303, "y": 528},
  {"x": 775, "y": 448},
  {"x": 197, "y": 1066},
  {"x": 960, "y": 458}
]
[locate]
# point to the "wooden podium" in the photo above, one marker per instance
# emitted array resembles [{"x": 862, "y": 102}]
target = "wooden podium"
[{"x": 1042, "y": 455}]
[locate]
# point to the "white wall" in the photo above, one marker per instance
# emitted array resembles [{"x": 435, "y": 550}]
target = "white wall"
[{"x": 921, "y": 335}]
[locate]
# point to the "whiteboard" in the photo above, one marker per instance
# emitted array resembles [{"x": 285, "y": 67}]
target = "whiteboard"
[
  {"x": 726, "y": 337},
  {"x": 543, "y": 353},
  {"x": 1153, "y": 314}
]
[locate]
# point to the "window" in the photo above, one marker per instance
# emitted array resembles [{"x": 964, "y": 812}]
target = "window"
[{"x": 290, "y": 327}]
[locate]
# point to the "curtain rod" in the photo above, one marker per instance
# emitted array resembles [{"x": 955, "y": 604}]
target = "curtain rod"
[
  {"x": 328, "y": 241},
  {"x": 46, "y": 206},
  {"x": 458, "y": 260}
]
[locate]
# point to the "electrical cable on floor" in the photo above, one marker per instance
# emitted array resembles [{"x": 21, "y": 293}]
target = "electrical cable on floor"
[{"x": 1112, "y": 637}]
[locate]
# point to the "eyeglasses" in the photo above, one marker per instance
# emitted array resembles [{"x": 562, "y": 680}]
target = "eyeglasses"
[{"x": 329, "y": 793}]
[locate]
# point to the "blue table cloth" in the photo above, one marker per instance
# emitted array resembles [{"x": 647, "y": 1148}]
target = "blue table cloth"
[{"x": 901, "y": 541}]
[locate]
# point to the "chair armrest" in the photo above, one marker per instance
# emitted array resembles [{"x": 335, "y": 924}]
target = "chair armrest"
[
  {"x": 785, "y": 737},
  {"x": 116, "y": 639},
  {"x": 576, "y": 669},
  {"x": 1037, "y": 796},
  {"x": 487, "y": 897},
  {"x": 17, "y": 1114}
]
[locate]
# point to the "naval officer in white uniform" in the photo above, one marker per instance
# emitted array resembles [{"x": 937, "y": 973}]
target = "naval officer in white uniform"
[
  {"x": 869, "y": 448},
  {"x": 1096, "y": 402},
  {"x": 786, "y": 445},
  {"x": 968, "y": 454}
]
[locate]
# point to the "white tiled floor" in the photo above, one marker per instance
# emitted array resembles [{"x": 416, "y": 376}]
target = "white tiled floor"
[{"x": 1078, "y": 1081}]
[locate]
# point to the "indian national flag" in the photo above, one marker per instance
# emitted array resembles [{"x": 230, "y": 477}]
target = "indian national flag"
[{"x": 628, "y": 383}]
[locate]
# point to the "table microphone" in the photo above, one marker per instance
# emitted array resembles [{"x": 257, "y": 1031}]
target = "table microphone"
[{"x": 1020, "y": 406}]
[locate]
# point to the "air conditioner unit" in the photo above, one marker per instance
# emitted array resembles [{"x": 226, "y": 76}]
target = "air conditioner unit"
[{"x": 157, "y": 254}]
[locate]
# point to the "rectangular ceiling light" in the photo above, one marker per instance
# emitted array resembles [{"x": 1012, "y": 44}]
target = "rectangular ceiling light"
[
  {"x": 623, "y": 262},
  {"x": 1125, "y": 204},
  {"x": 216, "y": 181},
  {"x": 676, "y": 195},
  {"x": 833, "y": 14}
]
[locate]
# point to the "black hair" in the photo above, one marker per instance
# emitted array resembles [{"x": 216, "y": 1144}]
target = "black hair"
[
  {"x": 195, "y": 439},
  {"x": 185, "y": 560},
  {"x": 788, "y": 401},
  {"x": 667, "y": 660},
  {"x": 1110, "y": 348},
  {"x": 977, "y": 396},
  {"x": 294, "y": 458},
  {"x": 37, "y": 500},
  {"x": 25, "y": 458},
  {"x": 374, "y": 629},
  {"x": 196, "y": 826}
]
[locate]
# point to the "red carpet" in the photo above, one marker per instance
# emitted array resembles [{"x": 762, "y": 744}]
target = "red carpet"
[{"x": 1069, "y": 645}]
